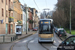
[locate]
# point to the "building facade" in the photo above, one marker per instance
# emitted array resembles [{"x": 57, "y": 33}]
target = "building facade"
[
  {"x": 18, "y": 14},
  {"x": 30, "y": 19},
  {"x": 4, "y": 16},
  {"x": 25, "y": 17},
  {"x": 34, "y": 17},
  {"x": 36, "y": 20},
  {"x": 10, "y": 9}
]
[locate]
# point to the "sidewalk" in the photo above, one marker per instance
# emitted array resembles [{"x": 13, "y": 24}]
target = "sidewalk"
[
  {"x": 68, "y": 34},
  {"x": 12, "y": 37},
  {"x": 6, "y": 38},
  {"x": 6, "y": 46},
  {"x": 63, "y": 38}
]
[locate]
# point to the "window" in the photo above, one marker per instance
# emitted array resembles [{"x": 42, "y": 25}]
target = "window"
[
  {"x": 9, "y": 13},
  {"x": 21, "y": 16},
  {"x": 12, "y": 14},
  {"x": 2, "y": 1},
  {"x": 2, "y": 12},
  {"x": 45, "y": 28},
  {"x": 6, "y": 13},
  {"x": 6, "y": 2},
  {"x": 9, "y": 3},
  {"x": 70, "y": 40}
]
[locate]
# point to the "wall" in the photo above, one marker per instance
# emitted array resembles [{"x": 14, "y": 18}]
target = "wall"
[
  {"x": 17, "y": 13},
  {"x": 2, "y": 26}
]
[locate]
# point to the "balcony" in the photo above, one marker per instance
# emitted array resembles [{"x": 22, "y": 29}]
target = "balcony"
[
  {"x": 10, "y": 7},
  {"x": 11, "y": 19},
  {"x": 19, "y": 22}
]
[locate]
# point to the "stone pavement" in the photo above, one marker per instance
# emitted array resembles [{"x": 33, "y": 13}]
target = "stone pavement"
[
  {"x": 6, "y": 38},
  {"x": 6, "y": 46},
  {"x": 64, "y": 37},
  {"x": 12, "y": 37},
  {"x": 68, "y": 34}
]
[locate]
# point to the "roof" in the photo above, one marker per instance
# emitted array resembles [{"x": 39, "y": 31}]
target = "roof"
[
  {"x": 60, "y": 29},
  {"x": 46, "y": 19}
]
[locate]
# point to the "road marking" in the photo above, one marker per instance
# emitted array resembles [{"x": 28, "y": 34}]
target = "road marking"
[
  {"x": 54, "y": 41},
  {"x": 59, "y": 41},
  {"x": 17, "y": 41},
  {"x": 32, "y": 41},
  {"x": 25, "y": 41}
]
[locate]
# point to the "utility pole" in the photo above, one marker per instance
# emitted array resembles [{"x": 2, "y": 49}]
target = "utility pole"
[
  {"x": 25, "y": 9},
  {"x": 70, "y": 16},
  {"x": 26, "y": 19}
]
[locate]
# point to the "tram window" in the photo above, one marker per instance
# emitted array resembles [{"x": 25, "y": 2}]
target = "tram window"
[{"x": 45, "y": 28}]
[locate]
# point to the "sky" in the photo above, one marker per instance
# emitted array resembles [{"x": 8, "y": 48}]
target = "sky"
[{"x": 41, "y": 4}]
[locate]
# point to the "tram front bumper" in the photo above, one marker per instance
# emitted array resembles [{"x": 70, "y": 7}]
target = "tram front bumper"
[{"x": 46, "y": 40}]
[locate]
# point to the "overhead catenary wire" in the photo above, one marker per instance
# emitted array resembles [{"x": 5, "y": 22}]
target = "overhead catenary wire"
[
  {"x": 46, "y": 3},
  {"x": 36, "y": 4},
  {"x": 24, "y": 1}
]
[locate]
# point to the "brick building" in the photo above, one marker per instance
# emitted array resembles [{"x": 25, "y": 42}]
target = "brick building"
[{"x": 30, "y": 19}]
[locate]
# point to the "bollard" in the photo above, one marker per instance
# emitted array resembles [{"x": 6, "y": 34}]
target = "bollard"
[
  {"x": 11, "y": 39},
  {"x": 15, "y": 37},
  {"x": 3, "y": 38}
]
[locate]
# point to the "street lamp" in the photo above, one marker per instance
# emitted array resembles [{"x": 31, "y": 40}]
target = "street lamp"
[
  {"x": 70, "y": 16},
  {"x": 26, "y": 19}
]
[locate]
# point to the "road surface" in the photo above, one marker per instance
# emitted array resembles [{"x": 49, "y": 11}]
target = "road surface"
[{"x": 31, "y": 43}]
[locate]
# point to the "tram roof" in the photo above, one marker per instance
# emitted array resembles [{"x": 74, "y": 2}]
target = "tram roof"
[{"x": 46, "y": 19}]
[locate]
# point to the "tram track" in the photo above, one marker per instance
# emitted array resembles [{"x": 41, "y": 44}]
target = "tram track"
[
  {"x": 28, "y": 43},
  {"x": 44, "y": 46},
  {"x": 40, "y": 44}
]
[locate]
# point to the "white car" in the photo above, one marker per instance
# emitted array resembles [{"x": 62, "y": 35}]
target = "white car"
[{"x": 61, "y": 32}]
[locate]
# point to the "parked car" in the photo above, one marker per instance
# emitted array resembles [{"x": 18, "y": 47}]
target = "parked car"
[
  {"x": 67, "y": 44},
  {"x": 35, "y": 28},
  {"x": 61, "y": 32},
  {"x": 55, "y": 29}
]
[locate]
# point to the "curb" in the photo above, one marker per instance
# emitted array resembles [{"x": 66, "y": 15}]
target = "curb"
[
  {"x": 62, "y": 38},
  {"x": 11, "y": 48},
  {"x": 15, "y": 40},
  {"x": 5, "y": 42}
]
